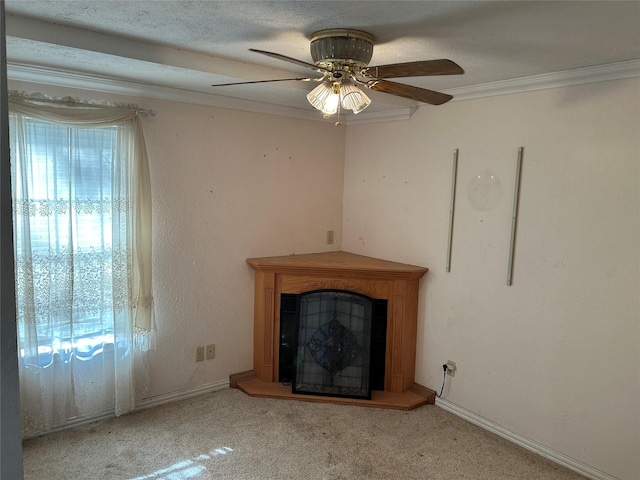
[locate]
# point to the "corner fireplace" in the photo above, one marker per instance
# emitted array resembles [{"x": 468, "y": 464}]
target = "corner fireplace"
[{"x": 394, "y": 285}]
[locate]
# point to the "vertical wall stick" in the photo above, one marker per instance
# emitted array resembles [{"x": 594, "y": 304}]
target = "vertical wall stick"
[
  {"x": 514, "y": 218},
  {"x": 452, "y": 205}
]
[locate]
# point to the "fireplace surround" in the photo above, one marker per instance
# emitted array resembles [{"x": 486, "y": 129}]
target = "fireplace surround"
[{"x": 397, "y": 283}]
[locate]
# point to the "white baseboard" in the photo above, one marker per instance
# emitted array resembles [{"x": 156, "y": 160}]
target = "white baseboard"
[
  {"x": 524, "y": 442},
  {"x": 182, "y": 394},
  {"x": 142, "y": 405},
  {"x": 74, "y": 423}
]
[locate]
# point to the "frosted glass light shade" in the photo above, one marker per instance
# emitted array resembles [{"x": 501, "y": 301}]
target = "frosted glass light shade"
[
  {"x": 324, "y": 99},
  {"x": 353, "y": 98}
]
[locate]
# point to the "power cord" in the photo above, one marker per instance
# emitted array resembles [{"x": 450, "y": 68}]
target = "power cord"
[{"x": 444, "y": 378}]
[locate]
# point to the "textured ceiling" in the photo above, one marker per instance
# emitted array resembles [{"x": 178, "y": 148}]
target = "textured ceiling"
[{"x": 192, "y": 44}]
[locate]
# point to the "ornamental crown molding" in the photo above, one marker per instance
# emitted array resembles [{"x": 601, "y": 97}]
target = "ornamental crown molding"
[
  {"x": 47, "y": 76},
  {"x": 566, "y": 78}
]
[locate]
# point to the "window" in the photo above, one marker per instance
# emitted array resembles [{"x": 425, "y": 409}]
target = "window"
[
  {"x": 65, "y": 207},
  {"x": 82, "y": 252}
]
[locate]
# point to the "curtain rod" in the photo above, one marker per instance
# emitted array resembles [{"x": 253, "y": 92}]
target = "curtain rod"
[{"x": 72, "y": 102}]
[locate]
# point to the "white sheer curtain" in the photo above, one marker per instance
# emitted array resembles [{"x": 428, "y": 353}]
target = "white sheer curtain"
[{"x": 82, "y": 224}]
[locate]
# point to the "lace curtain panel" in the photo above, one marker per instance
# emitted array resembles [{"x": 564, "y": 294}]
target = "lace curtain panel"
[{"x": 82, "y": 227}]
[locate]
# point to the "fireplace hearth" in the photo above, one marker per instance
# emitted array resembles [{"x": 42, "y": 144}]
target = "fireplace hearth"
[{"x": 331, "y": 346}]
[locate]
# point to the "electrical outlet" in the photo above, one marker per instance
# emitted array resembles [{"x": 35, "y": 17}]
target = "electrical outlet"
[
  {"x": 329, "y": 237},
  {"x": 451, "y": 368},
  {"x": 199, "y": 354},
  {"x": 211, "y": 351}
]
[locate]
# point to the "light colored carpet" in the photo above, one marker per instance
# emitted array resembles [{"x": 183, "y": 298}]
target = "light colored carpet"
[{"x": 229, "y": 435}]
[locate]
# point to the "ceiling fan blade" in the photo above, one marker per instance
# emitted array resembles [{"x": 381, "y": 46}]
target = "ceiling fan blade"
[
  {"x": 301, "y": 79},
  {"x": 409, "y": 91},
  {"x": 414, "y": 69},
  {"x": 310, "y": 66}
]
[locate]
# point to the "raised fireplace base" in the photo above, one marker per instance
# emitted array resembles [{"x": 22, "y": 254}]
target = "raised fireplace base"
[
  {"x": 397, "y": 283},
  {"x": 416, "y": 396}
]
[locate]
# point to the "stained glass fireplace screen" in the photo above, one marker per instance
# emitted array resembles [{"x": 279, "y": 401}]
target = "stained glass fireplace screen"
[{"x": 333, "y": 344}]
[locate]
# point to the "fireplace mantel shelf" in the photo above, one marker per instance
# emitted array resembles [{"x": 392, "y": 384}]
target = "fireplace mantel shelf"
[
  {"x": 337, "y": 264},
  {"x": 376, "y": 278}
]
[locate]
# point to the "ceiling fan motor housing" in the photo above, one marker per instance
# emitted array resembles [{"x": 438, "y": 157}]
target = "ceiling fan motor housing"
[{"x": 341, "y": 46}]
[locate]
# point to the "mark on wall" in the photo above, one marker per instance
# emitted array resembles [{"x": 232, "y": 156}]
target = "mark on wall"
[
  {"x": 485, "y": 190},
  {"x": 280, "y": 157}
]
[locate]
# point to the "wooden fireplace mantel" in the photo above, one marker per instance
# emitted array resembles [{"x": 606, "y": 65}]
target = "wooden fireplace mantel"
[{"x": 398, "y": 283}]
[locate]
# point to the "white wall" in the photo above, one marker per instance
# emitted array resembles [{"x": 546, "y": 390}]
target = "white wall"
[
  {"x": 556, "y": 356},
  {"x": 226, "y": 186}
]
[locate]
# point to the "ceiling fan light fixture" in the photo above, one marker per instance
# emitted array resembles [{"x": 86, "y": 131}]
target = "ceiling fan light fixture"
[
  {"x": 325, "y": 98},
  {"x": 352, "y": 98}
]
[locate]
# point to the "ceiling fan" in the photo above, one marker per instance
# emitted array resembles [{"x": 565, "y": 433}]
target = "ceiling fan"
[{"x": 341, "y": 57}]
